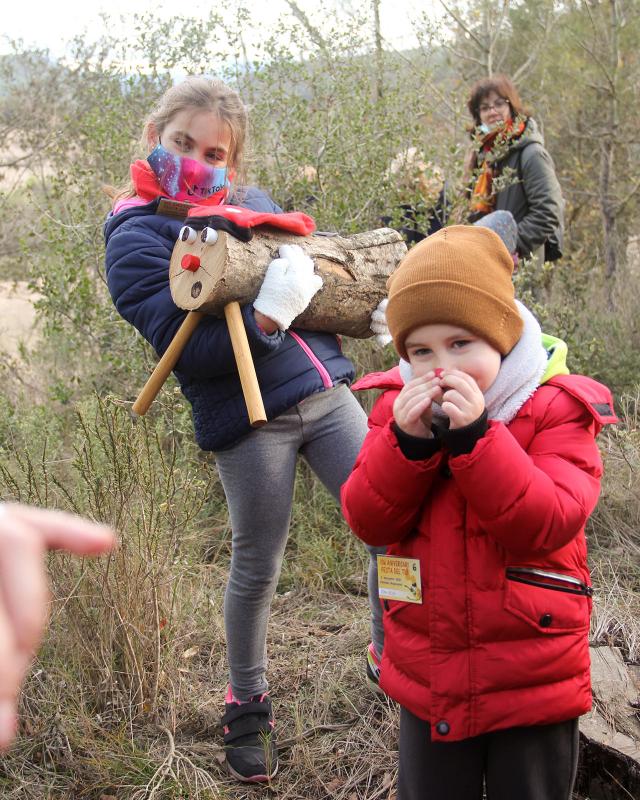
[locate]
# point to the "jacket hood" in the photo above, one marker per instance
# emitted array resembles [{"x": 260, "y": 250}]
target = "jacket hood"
[
  {"x": 388, "y": 379},
  {"x": 113, "y": 221},
  {"x": 531, "y": 134}
]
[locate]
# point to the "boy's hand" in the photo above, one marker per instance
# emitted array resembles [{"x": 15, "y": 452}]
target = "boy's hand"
[
  {"x": 462, "y": 400},
  {"x": 412, "y": 407}
]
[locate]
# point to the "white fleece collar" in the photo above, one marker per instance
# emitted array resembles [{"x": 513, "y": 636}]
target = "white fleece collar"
[{"x": 519, "y": 375}]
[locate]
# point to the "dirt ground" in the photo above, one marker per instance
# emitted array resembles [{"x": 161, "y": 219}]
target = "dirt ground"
[{"x": 17, "y": 317}]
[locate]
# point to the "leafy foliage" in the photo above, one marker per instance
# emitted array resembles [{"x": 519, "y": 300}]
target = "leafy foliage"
[{"x": 330, "y": 116}]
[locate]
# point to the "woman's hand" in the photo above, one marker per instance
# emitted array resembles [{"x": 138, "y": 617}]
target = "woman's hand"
[
  {"x": 462, "y": 400},
  {"x": 25, "y": 535},
  {"x": 412, "y": 407}
]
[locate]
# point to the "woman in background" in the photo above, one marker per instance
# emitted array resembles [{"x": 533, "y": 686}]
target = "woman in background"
[{"x": 509, "y": 169}]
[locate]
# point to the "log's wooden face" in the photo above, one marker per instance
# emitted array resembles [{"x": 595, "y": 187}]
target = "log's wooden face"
[{"x": 196, "y": 265}]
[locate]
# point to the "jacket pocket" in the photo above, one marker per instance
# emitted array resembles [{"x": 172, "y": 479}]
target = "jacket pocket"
[
  {"x": 545, "y": 579},
  {"x": 548, "y": 601}
]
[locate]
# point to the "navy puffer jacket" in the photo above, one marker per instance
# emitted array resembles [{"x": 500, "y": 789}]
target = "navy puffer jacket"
[{"x": 290, "y": 365}]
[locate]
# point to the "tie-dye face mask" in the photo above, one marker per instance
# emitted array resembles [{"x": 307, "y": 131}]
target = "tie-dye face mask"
[{"x": 185, "y": 178}]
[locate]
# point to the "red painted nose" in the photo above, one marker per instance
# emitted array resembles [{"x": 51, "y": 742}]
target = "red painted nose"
[
  {"x": 190, "y": 262},
  {"x": 438, "y": 372}
]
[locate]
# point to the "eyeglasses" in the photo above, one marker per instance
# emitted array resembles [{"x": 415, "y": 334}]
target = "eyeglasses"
[{"x": 497, "y": 105}]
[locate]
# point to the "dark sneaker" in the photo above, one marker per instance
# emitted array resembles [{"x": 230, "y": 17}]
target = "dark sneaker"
[
  {"x": 373, "y": 669},
  {"x": 249, "y": 739}
]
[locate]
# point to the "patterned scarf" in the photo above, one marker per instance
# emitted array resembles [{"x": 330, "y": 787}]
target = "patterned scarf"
[
  {"x": 147, "y": 187},
  {"x": 492, "y": 147}
]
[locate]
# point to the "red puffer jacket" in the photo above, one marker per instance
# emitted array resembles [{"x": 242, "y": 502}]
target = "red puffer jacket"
[{"x": 494, "y": 644}]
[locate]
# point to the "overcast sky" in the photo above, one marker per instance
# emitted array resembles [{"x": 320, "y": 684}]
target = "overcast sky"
[{"x": 50, "y": 23}]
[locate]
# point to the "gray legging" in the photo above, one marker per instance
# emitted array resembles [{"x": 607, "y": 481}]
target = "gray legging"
[{"x": 258, "y": 474}]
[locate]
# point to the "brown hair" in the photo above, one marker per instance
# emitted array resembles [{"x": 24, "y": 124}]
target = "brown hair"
[
  {"x": 502, "y": 85},
  {"x": 200, "y": 94}
]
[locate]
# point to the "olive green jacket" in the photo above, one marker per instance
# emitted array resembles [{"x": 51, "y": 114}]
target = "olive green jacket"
[{"x": 534, "y": 197}]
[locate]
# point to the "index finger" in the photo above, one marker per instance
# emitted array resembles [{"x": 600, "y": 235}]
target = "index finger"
[
  {"x": 61, "y": 531},
  {"x": 418, "y": 386},
  {"x": 457, "y": 379}
]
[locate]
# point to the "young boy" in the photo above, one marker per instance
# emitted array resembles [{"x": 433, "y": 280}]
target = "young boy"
[{"x": 479, "y": 472}]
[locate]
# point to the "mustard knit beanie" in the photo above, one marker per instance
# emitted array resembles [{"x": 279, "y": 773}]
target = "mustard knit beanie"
[{"x": 460, "y": 275}]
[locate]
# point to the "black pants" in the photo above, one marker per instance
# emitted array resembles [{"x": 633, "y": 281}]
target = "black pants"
[{"x": 534, "y": 763}]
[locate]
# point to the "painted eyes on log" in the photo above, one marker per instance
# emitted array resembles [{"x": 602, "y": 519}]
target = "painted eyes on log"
[
  {"x": 209, "y": 236},
  {"x": 187, "y": 234}
]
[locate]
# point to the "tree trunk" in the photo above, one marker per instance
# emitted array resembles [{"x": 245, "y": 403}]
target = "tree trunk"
[
  {"x": 379, "y": 55},
  {"x": 610, "y": 732},
  {"x": 354, "y": 270},
  {"x": 608, "y": 177}
]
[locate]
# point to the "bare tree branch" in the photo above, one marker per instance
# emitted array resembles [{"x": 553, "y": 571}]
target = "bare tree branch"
[
  {"x": 620, "y": 205},
  {"x": 379, "y": 53},
  {"x": 465, "y": 56},
  {"x": 494, "y": 36},
  {"x": 314, "y": 33},
  {"x": 464, "y": 27},
  {"x": 14, "y": 162},
  {"x": 535, "y": 51}
]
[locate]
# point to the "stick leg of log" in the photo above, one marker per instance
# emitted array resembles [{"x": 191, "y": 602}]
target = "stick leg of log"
[
  {"x": 246, "y": 367},
  {"x": 168, "y": 361},
  {"x": 240, "y": 344}
]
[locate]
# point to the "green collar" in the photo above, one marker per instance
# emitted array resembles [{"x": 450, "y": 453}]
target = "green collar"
[{"x": 557, "y": 357}]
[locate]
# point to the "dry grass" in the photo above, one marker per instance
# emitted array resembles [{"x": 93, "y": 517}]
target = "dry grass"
[
  {"x": 337, "y": 739},
  {"x": 614, "y": 537},
  {"x": 125, "y": 697}
]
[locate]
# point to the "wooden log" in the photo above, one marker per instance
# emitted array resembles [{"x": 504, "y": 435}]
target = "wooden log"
[
  {"x": 610, "y": 732},
  {"x": 211, "y": 272},
  {"x": 206, "y": 277}
]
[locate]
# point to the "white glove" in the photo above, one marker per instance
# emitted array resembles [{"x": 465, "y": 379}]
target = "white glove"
[
  {"x": 288, "y": 286},
  {"x": 379, "y": 324}
]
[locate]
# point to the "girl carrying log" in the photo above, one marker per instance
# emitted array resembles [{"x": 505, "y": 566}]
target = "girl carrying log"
[{"x": 195, "y": 139}]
